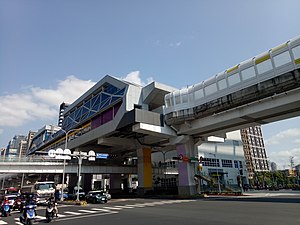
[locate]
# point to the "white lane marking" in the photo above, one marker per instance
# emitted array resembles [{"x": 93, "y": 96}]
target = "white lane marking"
[
  {"x": 124, "y": 206},
  {"x": 113, "y": 208},
  {"x": 73, "y": 213},
  {"x": 2, "y": 222},
  {"x": 86, "y": 211},
  {"x": 40, "y": 217},
  {"x": 103, "y": 210},
  {"x": 88, "y": 215}
]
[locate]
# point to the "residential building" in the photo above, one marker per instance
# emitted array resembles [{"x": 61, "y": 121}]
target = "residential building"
[
  {"x": 13, "y": 148},
  {"x": 254, "y": 150}
]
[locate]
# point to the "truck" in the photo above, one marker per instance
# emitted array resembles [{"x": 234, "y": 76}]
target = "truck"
[{"x": 42, "y": 190}]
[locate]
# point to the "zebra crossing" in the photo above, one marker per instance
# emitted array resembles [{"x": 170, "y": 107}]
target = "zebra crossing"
[{"x": 110, "y": 209}]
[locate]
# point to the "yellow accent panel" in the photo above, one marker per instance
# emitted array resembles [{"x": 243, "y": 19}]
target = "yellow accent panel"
[
  {"x": 147, "y": 167},
  {"x": 279, "y": 47},
  {"x": 232, "y": 69},
  {"x": 262, "y": 59},
  {"x": 297, "y": 61}
]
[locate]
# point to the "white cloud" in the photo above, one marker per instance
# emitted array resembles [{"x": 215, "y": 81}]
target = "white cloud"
[
  {"x": 285, "y": 135},
  {"x": 175, "y": 45},
  {"x": 37, "y": 103},
  {"x": 134, "y": 77},
  {"x": 282, "y": 158}
]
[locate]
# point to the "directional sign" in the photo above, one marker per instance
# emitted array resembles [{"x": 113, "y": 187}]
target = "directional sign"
[{"x": 102, "y": 155}]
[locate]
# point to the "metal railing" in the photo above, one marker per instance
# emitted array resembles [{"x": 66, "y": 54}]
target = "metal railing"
[{"x": 29, "y": 159}]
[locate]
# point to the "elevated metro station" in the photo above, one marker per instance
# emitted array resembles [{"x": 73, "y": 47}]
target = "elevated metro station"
[{"x": 129, "y": 122}]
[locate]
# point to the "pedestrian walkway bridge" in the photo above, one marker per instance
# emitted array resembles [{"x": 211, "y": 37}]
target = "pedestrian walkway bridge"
[{"x": 42, "y": 165}]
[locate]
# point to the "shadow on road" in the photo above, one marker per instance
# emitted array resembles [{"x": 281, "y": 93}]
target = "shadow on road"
[{"x": 294, "y": 199}]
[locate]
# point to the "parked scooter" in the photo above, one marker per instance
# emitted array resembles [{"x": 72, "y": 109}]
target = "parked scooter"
[
  {"x": 5, "y": 209},
  {"x": 28, "y": 214}
]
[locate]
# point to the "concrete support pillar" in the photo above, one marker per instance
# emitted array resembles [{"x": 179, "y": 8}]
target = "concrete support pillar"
[
  {"x": 144, "y": 170},
  {"x": 87, "y": 182},
  {"x": 115, "y": 181},
  {"x": 186, "y": 169},
  {"x": 73, "y": 180}
]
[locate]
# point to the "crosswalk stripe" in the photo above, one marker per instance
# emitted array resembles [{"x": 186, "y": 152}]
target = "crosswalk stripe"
[
  {"x": 2, "y": 222},
  {"x": 124, "y": 206},
  {"x": 73, "y": 213},
  {"x": 86, "y": 211},
  {"x": 103, "y": 210},
  {"x": 61, "y": 215},
  {"x": 136, "y": 205},
  {"x": 40, "y": 217},
  {"x": 112, "y": 208}
]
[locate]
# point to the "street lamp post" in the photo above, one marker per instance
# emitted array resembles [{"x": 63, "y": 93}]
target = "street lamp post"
[
  {"x": 59, "y": 154},
  {"x": 64, "y": 164},
  {"x": 80, "y": 156}
]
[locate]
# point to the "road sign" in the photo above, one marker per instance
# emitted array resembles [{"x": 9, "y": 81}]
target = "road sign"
[{"x": 102, "y": 155}]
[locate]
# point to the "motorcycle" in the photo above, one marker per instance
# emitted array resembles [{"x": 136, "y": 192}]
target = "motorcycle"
[
  {"x": 5, "y": 209},
  {"x": 28, "y": 215},
  {"x": 17, "y": 205},
  {"x": 51, "y": 210}
]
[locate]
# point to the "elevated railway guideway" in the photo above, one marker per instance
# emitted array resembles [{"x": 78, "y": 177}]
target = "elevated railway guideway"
[{"x": 263, "y": 89}]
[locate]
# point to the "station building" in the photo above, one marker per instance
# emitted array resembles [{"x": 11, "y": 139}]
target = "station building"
[{"x": 124, "y": 124}]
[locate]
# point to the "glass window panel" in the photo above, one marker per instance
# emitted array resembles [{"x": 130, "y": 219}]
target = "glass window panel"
[
  {"x": 222, "y": 84},
  {"x": 248, "y": 73},
  {"x": 296, "y": 52},
  {"x": 177, "y": 99},
  {"x": 233, "y": 79},
  {"x": 199, "y": 94},
  {"x": 168, "y": 102},
  {"x": 210, "y": 89},
  {"x": 184, "y": 98},
  {"x": 264, "y": 66},
  {"x": 191, "y": 97},
  {"x": 282, "y": 59}
]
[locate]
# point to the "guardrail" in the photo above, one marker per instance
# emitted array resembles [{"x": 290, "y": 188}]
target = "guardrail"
[{"x": 29, "y": 159}]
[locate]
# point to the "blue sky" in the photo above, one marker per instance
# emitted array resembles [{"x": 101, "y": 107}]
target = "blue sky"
[{"x": 53, "y": 51}]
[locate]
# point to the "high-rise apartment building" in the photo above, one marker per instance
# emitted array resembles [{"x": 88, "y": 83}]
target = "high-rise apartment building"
[
  {"x": 254, "y": 150},
  {"x": 13, "y": 148},
  {"x": 29, "y": 138}
]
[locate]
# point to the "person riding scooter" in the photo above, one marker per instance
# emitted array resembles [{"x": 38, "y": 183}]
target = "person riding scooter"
[
  {"x": 5, "y": 202},
  {"x": 52, "y": 201},
  {"x": 30, "y": 200}
]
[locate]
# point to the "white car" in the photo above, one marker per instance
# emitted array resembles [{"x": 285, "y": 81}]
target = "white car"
[
  {"x": 108, "y": 196},
  {"x": 11, "y": 199}
]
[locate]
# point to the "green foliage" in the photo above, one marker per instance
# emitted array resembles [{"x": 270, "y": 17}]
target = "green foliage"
[{"x": 275, "y": 179}]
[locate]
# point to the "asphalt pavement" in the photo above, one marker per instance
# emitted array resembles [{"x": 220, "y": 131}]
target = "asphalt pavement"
[{"x": 253, "y": 208}]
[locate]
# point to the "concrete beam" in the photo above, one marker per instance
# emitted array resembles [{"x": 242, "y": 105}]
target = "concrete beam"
[
  {"x": 271, "y": 109},
  {"x": 158, "y": 131}
]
